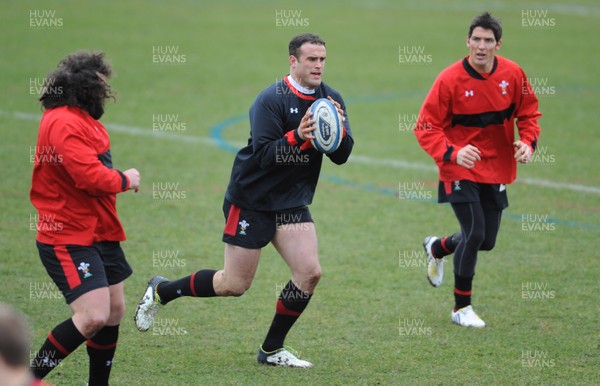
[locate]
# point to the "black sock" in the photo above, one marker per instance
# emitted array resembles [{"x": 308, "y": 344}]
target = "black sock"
[
  {"x": 61, "y": 342},
  {"x": 199, "y": 284},
  {"x": 101, "y": 350},
  {"x": 462, "y": 291},
  {"x": 445, "y": 246},
  {"x": 290, "y": 305}
]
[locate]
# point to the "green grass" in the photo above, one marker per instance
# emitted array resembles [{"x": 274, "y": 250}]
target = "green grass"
[{"x": 369, "y": 240}]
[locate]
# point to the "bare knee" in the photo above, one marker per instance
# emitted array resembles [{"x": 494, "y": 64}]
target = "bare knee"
[
  {"x": 314, "y": 277},
  {"x": 309, "y": 280},
  {"x": 97, "y": 323},
  {"x": 236, "y": 291},
  {"x": 234, "y": 288},
  {"x": 90, "y": 323}
]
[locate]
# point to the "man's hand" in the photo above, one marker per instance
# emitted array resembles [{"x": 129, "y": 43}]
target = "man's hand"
[
  {"x": 338, "y": 107},
  {"x": 522, "y": 152},
  {"x": 467, "y": 156},
  {"x": 134, "y": 179},
  {"x": 306, "y": 126}
]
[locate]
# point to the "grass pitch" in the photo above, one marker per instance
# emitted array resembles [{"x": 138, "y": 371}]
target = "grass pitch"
[{"x": 186, "y": 73}]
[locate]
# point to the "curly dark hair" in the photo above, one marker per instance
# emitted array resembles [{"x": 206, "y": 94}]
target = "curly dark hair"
[{"x": 80, "y": 81}]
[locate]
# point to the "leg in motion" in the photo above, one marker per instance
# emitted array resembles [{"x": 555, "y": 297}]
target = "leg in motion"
[
  {"x": 471, "y": 218},
  {"x": 297, "y": 244}
]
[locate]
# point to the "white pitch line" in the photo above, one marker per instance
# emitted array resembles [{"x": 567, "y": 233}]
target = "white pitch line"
[
  {"x": 560, "y": 185},
  {"x": 399, "y": 164},
  {"x": 147, "y": 132},
  {"x": 365, "y": 160}
]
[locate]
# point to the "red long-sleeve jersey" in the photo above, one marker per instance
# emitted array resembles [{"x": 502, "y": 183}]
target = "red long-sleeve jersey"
[
  {"x": 74, "y": 186},
  {"x": 465, "y": 107}
]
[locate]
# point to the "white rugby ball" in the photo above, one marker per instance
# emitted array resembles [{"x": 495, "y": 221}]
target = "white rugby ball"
[{"x": 329, "y": 129}]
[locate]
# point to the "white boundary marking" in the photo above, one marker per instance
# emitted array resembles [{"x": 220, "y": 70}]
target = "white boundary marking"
[{"x": 365, "y": 160}]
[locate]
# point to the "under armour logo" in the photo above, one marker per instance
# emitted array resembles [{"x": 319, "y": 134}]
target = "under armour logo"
[
  {"x": 469, "y": 93},
  {"x": 293, "y": 110}
]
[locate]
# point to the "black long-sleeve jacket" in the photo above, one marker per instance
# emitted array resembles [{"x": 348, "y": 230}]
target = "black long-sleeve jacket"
[{"x": 277, "y": 170}]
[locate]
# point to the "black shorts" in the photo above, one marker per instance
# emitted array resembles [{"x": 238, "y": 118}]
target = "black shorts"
[
  {"x": 253, "y": 230},
  {"x": 490, "y": 195},
  {"x": 78, "y": 269}
]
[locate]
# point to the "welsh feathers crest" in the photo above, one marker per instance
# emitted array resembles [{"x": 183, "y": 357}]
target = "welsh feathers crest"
[
  {"x": 243, "y": 225},
  {"x": 503, "y": 85},
  {"x": 85, "y": 268}
]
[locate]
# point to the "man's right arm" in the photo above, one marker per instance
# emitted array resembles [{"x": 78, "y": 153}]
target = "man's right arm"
[
  {"x": 435, "y": 114},
  {"x": 269, "y": 137}
]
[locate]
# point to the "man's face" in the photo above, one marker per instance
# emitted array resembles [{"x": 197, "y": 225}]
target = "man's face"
[
  {"x": 482, "y": 48},
  {"x": 309, "y": 67}
]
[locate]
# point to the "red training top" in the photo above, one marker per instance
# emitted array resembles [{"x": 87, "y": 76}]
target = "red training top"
[
  {"x": 465, "y": 107},
  {"x": 74, "y": 185}
]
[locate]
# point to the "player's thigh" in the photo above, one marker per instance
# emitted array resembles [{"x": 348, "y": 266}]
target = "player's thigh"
[
  {"x": 471, "y": 218},
  {"x": 117, "y": 303},
  {"x": 117, "y": 271},
  {"x": 297, "y": 244},
  {"x": 240, "y": 264},
  {"x": 493, "y": 218},
  {"x": 494, "y": 200}
]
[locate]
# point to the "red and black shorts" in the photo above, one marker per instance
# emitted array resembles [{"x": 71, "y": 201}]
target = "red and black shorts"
[
  {"x": 491, "y": 196},
  {"x": 78, "y": 269},
  {"x": 253, "y": 229}
]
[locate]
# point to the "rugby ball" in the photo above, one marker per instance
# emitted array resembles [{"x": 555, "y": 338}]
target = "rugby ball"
[{"x": 329, "y": 129}]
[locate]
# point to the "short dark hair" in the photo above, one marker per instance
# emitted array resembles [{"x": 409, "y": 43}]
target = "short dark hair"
[
  {"x": 487, "y": 21},
  {"x": 15, "y": 337},
  {"x": 76, "y": 83},
  {"x": 299, "y": 40}
]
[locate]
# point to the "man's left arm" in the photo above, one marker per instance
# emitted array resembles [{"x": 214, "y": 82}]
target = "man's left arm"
[
  {"x": 340, "y": 156},
  {"x": 527, "y": 115}
]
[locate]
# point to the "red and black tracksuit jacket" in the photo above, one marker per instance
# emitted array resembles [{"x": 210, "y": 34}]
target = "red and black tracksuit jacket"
[
  {"x": 465, "y": 107},
  {"x": 74, "y": 185}
]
